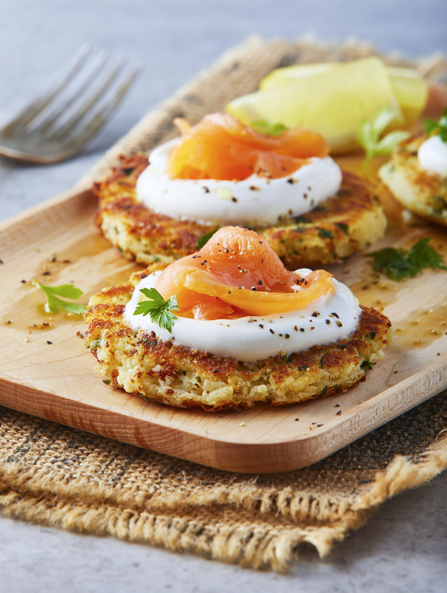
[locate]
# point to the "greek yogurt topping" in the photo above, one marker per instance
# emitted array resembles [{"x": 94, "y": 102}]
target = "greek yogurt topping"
[
  {"x": 328, "y": 319},
  {"x": 255, "y": 200},
  {"x": 432, "y": 155}
]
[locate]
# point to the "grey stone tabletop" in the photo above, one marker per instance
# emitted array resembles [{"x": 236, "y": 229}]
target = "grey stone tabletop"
[{"x": 403, "y": 547}]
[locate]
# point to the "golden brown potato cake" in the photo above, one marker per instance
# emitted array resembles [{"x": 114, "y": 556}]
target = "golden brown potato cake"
[
  {"x": 159, "y": 370},
  {"x": 421, "y": 192},
  {"x": 348, "y": 222}
]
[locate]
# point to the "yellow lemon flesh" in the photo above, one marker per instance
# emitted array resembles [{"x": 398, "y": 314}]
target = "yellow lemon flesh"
[
  {"x": 411, "y": 92},
  {"x": 334, "y": 99},
  {"x": 409, "y": 87},
  {"x": 284, "y": 75}
]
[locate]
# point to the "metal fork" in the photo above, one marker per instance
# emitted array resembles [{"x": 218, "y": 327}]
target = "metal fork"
[{"x": 57, "y": 124}]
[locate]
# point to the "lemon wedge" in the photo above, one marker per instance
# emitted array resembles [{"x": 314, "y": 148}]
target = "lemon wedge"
[
  {"x": 282, "y": 76},
  {"x": 333, "y": 99},
  {"x": 411, "y": 91},
  {"x": 409, "y": 87}
]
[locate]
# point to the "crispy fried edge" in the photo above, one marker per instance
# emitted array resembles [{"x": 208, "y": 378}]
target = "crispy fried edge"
[
  {"x": 419, "y": 191},
  {"x": 167, "y": 360},
  {"x": 340, "y": 226}
]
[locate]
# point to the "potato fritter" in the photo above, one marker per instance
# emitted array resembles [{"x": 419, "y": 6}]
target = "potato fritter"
[
  {"x": 159, "y": 370},
  {"x": 421, "y": 192},
  {"x": 348, "y": 222}
]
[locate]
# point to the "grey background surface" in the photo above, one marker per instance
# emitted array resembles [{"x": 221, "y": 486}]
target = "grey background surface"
[{"x": 404, "y": 547}]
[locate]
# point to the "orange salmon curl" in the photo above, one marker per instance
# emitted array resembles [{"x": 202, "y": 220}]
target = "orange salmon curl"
[
  {"x": 237, "y": 274},
  {"x": 220, "y": 147}
]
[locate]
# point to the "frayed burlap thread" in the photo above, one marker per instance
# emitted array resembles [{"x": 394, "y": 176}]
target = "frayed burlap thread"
[{"x": 63, "y": 477}]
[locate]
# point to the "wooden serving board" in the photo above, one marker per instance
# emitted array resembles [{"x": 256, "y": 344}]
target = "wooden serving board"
[{"x": 46, "y": 370}]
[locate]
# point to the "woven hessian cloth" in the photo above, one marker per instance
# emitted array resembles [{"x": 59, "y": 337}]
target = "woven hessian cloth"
[{"x": 63, "y": 477}]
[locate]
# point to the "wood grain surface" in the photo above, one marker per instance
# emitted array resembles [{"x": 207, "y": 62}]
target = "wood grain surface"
[{"x": 46, "y": 370}]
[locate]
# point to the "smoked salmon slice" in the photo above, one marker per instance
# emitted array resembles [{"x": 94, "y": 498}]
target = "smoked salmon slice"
[
  {"x": 221, "y": 147},
  {"x": 237, "y": 274}
]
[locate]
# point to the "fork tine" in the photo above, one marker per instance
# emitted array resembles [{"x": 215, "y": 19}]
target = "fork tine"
[
  {"x": 68, "y": 127},
  {"x": 38, "y": 104},
  {"x": 30, "y": 144},
  {"x": 97, "y": 120},
  {"x": 51, "y": 118}
]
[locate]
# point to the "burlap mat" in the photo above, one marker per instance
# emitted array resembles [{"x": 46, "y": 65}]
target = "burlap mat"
[{"x": 63, "y": 477}]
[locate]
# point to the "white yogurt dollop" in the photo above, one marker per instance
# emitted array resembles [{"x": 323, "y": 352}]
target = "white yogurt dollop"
[
  {"x": 432, "y": 155},
  {"x": 331, "y": 317},
  {"x": 254, "y": 201}
]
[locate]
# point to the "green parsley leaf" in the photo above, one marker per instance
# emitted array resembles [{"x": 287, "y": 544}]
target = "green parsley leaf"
[
  {"x": 158, "y": 309},
  {"x": 440, "y": 204},
  {"x": 325, "y": 234},
  {"x": 343, "y": 226},
  {"x": 370, "y": 132},
  {"x": 433, "y": 127},
  {"x": 366, "y": 365},
  {"x": 265, "y": 127},
  {"x": 400, "y": 263},
  {"x": 68, "y": 291},
  {"x": 205, "y": 238}
]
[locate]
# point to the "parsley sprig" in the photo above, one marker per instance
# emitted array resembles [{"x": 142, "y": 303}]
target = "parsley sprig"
[
  {"x": 370, "y": 133},
  {"x": 55, "y": 304},
  {"x": 400, "y": 263},
  {"x": 433, "y": 127},
  {"x": 158, "y": 308},
  {"x": 266, "y": 127},
  {"x": 205, "y": 238}
]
